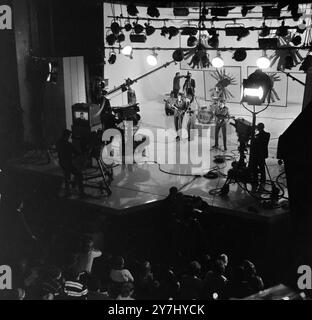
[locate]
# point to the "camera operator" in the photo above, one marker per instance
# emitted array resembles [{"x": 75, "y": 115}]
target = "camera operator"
[
  {"x": 66, "y": 151},
  {"x": 259, "y": 152}
]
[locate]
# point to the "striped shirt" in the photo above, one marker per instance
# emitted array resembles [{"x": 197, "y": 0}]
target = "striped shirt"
[{"x": 76, "y": 288}]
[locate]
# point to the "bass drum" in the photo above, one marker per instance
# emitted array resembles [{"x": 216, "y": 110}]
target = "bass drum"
[{"x": 205, "y": 115}]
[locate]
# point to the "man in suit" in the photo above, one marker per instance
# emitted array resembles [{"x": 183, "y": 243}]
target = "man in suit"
[
  {"x": 189, "y": 86},
  {"x": 260, "y": 153},
  {"x": 222, "y": 116},
  {"x": 180, "y": 108}
]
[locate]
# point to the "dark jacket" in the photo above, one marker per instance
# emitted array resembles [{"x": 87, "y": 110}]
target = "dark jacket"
[
  {"x": 65, "y": 151},
  {"x": 262, "y": 140}
]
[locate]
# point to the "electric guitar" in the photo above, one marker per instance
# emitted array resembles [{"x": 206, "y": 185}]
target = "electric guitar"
[{"x": 220, "y": 119}]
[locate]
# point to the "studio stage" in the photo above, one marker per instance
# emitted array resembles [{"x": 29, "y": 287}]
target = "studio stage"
[{"x": 141, "y": 187}]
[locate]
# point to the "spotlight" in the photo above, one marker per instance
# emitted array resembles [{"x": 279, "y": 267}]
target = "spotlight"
[
  {"x": 127, "y": 51},
  {"x": 245, "y": 10},
  {"x": 132, "y": 10},
  {"x": 296, "y": 40},
  {"x": 189, "y": 31},
  {"x": 153, "y": 12},
  {"x": 282, "y": 31},
  {"x": 191, "y": 41},
  {"x": 307, "y": 63},
  {"x": 121, "y": 37},
  {"x": 243, "y": 33},
  {"x": 53, "y": 72},
  {"x": 111, "y": 39},
  {"x": 265, "y": 30},
  {"x": 152, "y": 59},
  {"x": 239, "y": 55},
  {"x": 178, "y": 55},
  {"x": 149, "y": 30},
  {"x": 112, "y": 57},
  {"x": 181, "y": 12},
  {"x": 128, "y": 26},
  {"x": 138, "y": 28},
  {"x": 219, "y": 12},
  {"x": 217, "y": 62},
  {"x": 256, "y": 88},
  {"x": 214, "y": 41},
  {"x": 263, "y": 62},
  {"x": 173, "y": 31},
  {"x": 115, "y": 27},
  {"x": 268, "y": 43}
]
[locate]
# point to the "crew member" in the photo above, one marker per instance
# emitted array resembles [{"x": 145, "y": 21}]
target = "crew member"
[
  {"x": 180, "y": 108},
  {"x": 106, "y": 113},
  {"x": 222, "y": 115},
  {"x": 189, "y": 86},
  {"x": 66, "y": 151},
  {"x": 259, "y": 152},
  {"x": 176, "y": 84}
]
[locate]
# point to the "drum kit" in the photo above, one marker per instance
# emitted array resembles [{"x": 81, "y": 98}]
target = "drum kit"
[{"x": 206, "y": 115}]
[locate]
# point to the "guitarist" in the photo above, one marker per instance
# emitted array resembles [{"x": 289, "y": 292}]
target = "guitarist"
[
  {"x": 180, "y": 107},
  {"x": 222, "y": 115}
]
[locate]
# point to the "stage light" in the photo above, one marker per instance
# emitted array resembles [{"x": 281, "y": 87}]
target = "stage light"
[
  {"x": 53, "y": 72},
  {"x": 256, "y": 88},
  {"x": 245, "y": 10},
  {"x": 191, "y": 41},
  {"x": 265, "y": 30},
  {"x": 263, "y": 62},
  {"x": 112, "y": 57},
  {"x": 111, "y": 39},
  {"x": 127, "y": 51},
  {"x": 153, "y": 12},
  {"x": 178, "y": 55},
  {"x": 138, "y": 28},
  {"x": 132, "y": 10},
  {"x": 128, "y": 26},
  {"x": 217, "y": 61},
  {"x": 181, "y": 12},
  {"x": 164, "y": 31},
  {"x": 239, "y": 55},
  {"x": 214, "y": 41},
  {"x": 149, "y": 30},
  {"x": 173, "y": 31},
  {"x": 152, "y": 59},
  {"x": 296, "y": 40},
  {"x": 219, "y": 12},
  {"x": 307, "y": 63},
  {"x": 140, "y": 38},
  {"x": 115, "y": 27},
  {"x": 121, "y": 37}
]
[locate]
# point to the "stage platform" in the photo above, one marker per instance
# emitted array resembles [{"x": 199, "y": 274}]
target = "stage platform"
[{"x": 138, "y": 187}]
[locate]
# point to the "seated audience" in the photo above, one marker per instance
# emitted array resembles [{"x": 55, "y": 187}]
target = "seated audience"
[{"x": 191, "y": 284}]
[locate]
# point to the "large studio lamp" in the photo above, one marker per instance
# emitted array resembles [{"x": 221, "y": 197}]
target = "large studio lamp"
[
  {"x": 254, "y": 92},
  {"x": 256, "y": 88}
]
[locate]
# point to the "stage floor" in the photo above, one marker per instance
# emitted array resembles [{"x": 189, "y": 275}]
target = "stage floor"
[{"x": 138, "y": 186}]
